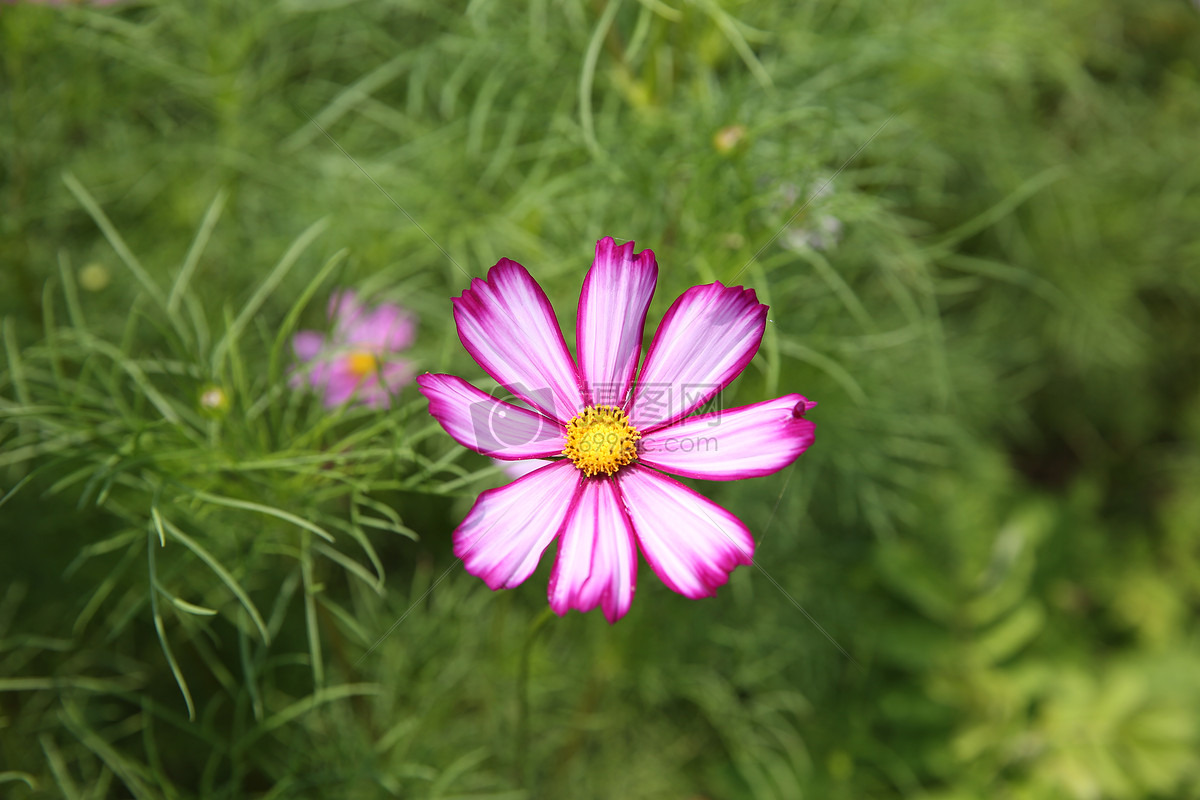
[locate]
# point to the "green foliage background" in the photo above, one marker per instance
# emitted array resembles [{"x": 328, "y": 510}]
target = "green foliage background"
[{"x": 995, "y": 522}]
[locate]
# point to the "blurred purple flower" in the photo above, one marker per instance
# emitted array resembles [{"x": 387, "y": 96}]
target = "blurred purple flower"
[{"x": 358, "y": 358}]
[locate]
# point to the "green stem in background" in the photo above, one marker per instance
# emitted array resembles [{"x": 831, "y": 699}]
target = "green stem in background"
[{"x": 535, "y": 627}]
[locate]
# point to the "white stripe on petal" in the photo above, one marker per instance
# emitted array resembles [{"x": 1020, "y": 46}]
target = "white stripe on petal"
[
  {"x": 508, "y": 326},
  {"x": 744, "y": 442},
  {"x": 612, "y": 314},
  {"x": 519, "y": 469},
  {"x": 504, "y": 534},
  {"x": 487, "y": 425},
  {"x": 707, "y": 337},
  {"x": 690, "y": 542},
  {"x": 597, "y": 559}
]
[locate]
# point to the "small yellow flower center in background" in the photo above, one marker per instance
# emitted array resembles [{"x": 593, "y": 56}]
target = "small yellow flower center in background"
[
  {"x": 600, "y": 439},
  {"x": 361, "y": 364}
]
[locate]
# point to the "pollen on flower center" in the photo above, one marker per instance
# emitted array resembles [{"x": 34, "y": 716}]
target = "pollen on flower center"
[
  {"x": 361, "y": 363},
  {"x": 600, "y": 439}
]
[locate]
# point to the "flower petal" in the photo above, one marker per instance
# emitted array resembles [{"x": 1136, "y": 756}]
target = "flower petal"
[
  {"x": 486, "y": 425},
  {"x": 707, "y": 337},
  {"x": 386, "y": 329},
  {"x": 689, "y": 541},
  {"x": 397, "y": 373},
  {"x": 339, "y": 383},
  {"x": 504, "y": 534},
  {"x": 508, "y": 326},
  {"x": 307, "y": 344},
  {"x": 735, "y": 443},
  {"x": 597, "y": 557},
  {"x": 612, "y": 313},
  {"x": 315, "y": 374},
  {"x": 343, "y": 308},
  {"x": 519, "y": 469},
  {"x": 376, "y": 393}
]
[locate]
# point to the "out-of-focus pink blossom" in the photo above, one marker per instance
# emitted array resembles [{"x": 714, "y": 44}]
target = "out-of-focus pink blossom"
[{"x": 358, "y": 358}]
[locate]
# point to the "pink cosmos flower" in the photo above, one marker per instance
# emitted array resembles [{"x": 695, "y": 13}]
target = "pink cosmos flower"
[
  {"x": 358, "y": 358},
  {"x": 605, "y": 496}
]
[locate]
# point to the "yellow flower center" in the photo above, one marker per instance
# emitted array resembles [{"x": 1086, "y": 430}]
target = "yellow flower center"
[
  {"x": 361, "y": 364},
  {"x": 600, "y": 439}
]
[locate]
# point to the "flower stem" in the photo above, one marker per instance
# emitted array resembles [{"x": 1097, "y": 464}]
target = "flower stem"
[{"x": 535, "y": 627}]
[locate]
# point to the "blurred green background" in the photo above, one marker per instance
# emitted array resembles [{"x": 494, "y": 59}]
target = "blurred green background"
[{"x": 996, "y": 302}]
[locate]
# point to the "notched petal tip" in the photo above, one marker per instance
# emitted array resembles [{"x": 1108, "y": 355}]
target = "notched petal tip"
[
  {"x": 507, "y": 263},
  {"x": 748, "y": 292},
  {"x": 744, "y": 294},
  {"x": 803, "y": 406},
  {"x": 479, "y": 287},
  {"x": 503, "y": 270},
  {"x": 468, "y": 299},
  {"x": 607, "y": 248}
]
